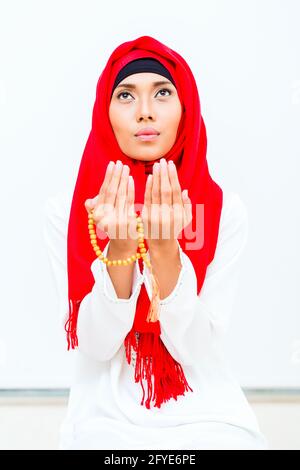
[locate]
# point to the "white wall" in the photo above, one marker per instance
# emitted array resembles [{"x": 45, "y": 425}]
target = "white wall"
[{"x": 245, "y": 58}]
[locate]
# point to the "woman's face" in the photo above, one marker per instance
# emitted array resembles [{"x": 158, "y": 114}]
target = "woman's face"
[{"x": 145, "y": 103}]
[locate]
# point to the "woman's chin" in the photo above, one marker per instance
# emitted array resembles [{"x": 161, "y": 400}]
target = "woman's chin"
[{"x": 146, "y": 157}]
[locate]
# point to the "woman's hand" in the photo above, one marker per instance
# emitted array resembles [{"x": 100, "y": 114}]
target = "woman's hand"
[
  {"x": 113, "y": 207},
  {"x": 167, "y": 209}
]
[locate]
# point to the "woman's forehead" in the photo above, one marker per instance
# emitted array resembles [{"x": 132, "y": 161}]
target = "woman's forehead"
[{"x": 143, "y": 78}]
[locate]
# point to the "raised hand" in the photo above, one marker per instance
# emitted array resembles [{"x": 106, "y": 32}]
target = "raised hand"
[
  {"x": 113, "y": 207},
  {"x": 167, "y": 209}
]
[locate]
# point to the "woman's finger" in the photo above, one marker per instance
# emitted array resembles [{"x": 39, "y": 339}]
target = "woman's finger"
[
  {"x": 187, "y": 204},
  {"x": 165, "y": 186},
  {"x": 155, "y": 194},
  {"x": 130, "y": 209},
  {"x": 122, "y": 190},
  {"x": 154, "y": 212},
  {"x": 175, "y": 185},
  {"x": 130, "y": 196},
  {"x": 146, "y": 212},
  {"x": 106, "y": 182},
  {"x": 148, "y": 191},
  {"x": 112, "y": 189}
]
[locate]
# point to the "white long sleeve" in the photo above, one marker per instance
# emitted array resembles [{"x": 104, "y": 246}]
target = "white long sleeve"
[
  {"x": 103, "y": 319},
  {"x": 189, "y": 322}
]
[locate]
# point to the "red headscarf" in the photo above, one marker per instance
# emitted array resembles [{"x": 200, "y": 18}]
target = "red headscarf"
[{"x": 189, "y": 156}]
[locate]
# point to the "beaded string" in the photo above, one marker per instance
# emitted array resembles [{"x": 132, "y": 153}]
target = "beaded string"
[{"x": 153, "y": 314}]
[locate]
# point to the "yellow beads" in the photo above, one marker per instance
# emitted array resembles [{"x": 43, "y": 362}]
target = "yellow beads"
[{"x": 118, "y": 262}]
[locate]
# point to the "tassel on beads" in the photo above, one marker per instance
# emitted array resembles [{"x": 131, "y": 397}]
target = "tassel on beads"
[
  {"x": 71, "y": 323},
  {"x": 153, "y": 312}
]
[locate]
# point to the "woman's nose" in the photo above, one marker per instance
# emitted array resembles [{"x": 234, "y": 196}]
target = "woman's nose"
[{"x": 145, "y": 110}]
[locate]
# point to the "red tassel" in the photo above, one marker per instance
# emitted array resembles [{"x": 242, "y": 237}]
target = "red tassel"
[
  {"x": 71, "y": 323},
  {"x": 153, "y": 359}
]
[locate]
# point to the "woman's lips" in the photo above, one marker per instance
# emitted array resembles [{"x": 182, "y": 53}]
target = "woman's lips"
[{"x": 147, "y": 137}]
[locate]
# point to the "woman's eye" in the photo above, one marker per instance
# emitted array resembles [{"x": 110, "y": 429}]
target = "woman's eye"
[
  {"x": 126, "y": 93},
  {"x": 123, "y": 93},
  {"x": 165, "y": 89}
]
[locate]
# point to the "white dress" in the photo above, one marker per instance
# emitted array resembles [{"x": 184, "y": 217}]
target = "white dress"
[{"x": 104, "y": 410}]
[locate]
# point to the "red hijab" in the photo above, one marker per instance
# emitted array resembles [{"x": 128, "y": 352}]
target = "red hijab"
[{"x": 189, "y": 156}]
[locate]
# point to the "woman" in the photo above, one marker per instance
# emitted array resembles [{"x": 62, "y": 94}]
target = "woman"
[{"x": 151, "y": 270}]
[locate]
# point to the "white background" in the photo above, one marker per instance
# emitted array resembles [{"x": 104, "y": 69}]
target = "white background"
[{"x": 245, "y": 58}]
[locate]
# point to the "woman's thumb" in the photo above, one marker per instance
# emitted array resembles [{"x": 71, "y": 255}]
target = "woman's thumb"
[{"x": 90, "y": 203}]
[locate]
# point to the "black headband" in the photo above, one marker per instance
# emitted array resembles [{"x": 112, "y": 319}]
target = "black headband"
[{"x": 142, "y": 65}]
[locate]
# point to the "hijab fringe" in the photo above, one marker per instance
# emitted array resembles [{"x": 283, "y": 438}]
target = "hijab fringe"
[
  {"x": 154, "y": 360},
  {"x": 71, "y": 323}
]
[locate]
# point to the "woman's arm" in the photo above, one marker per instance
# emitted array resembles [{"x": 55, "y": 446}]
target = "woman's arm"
[
  {"x": 103, "y": 319},
  {"x": 190, "y": 322},
  {"x": 166, "y": 264},
  {"x": 121, "y": 276}
]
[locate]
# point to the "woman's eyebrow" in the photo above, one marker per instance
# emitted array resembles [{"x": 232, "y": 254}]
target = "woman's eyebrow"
[{"x": 131, "y": 85}]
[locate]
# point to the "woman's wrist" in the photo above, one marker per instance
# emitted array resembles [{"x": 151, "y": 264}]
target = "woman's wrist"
[
  {"x": 166, "y": 248},
  {"x": 122, "y": 248}
]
